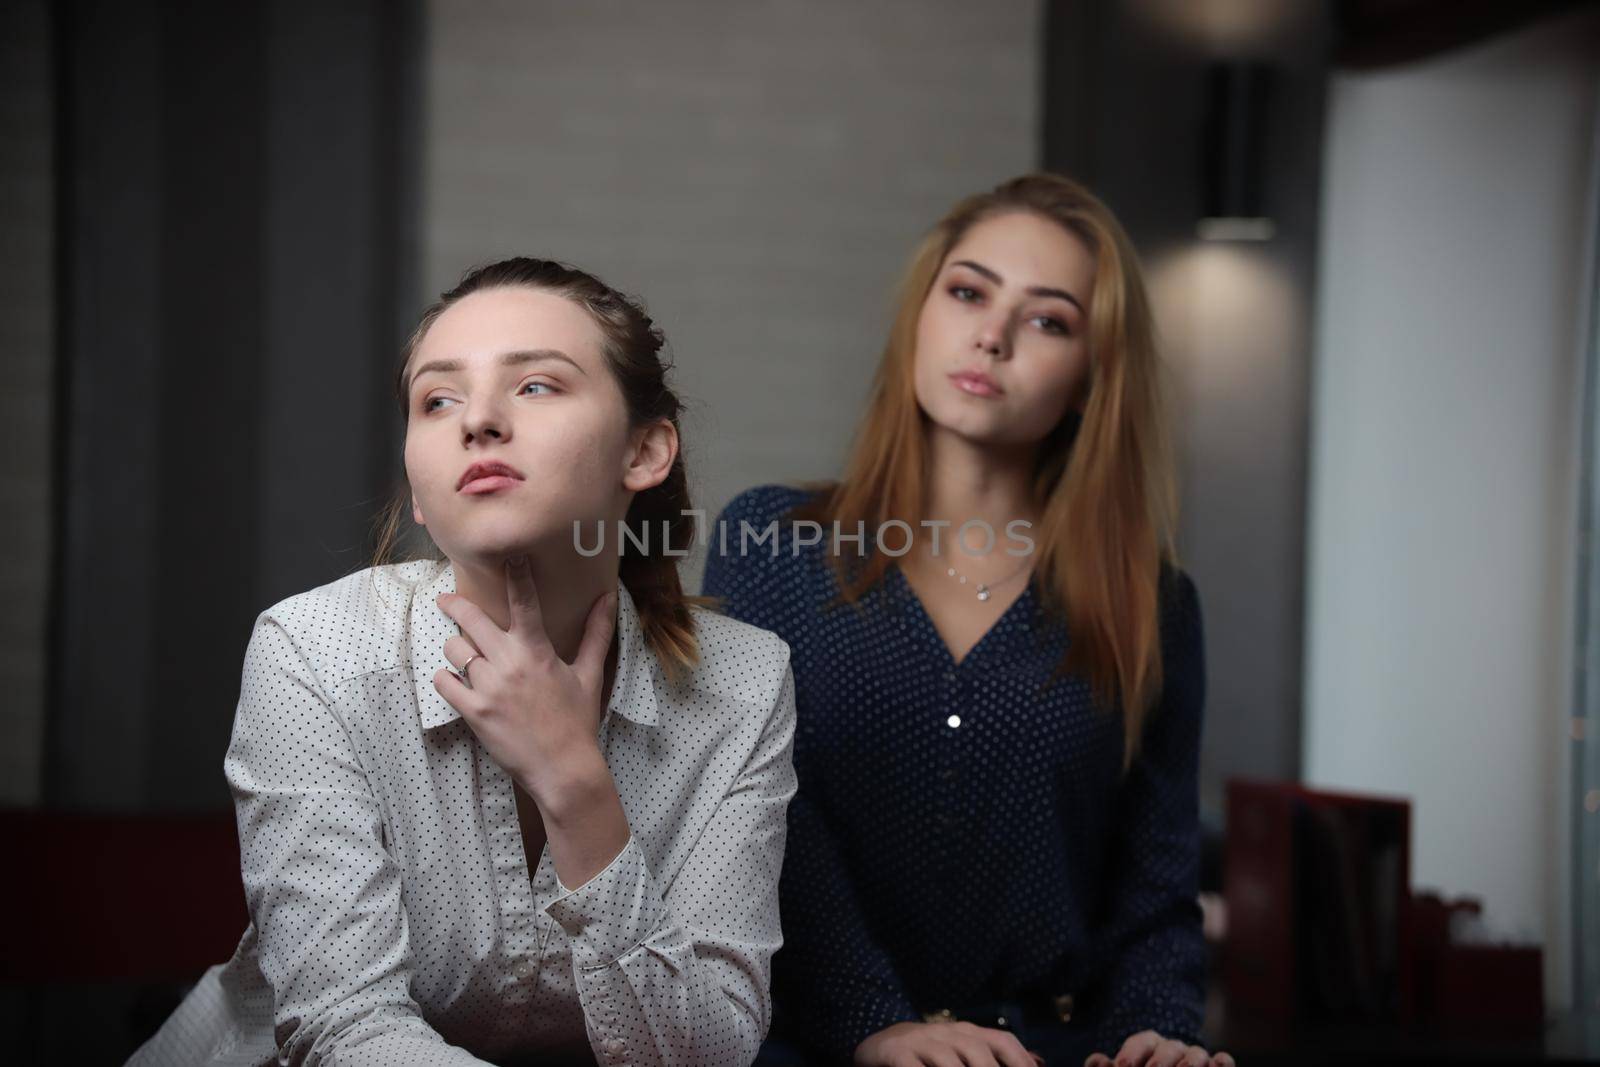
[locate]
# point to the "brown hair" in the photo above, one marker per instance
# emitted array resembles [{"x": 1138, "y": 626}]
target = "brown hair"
[
  {"x": 1104, "y": 487},
  {"x": 632, "y": 349}
]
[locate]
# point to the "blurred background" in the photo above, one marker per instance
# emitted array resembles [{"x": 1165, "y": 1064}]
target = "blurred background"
[{"x": 1370, "y": 230}]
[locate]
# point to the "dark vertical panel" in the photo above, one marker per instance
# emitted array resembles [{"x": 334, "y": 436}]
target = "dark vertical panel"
[
  {"x": 111, "y": 206},
  {"x": 399, "y": 200},
  {"x": 402, "y": 45},
  {"x": 232, "y": 221},
  {"x": 327, "y": 249},
  {"x": 213, "y": 88},
  {"x": 1071, "y": 74},
  {"x": 1125, "y": 116}
]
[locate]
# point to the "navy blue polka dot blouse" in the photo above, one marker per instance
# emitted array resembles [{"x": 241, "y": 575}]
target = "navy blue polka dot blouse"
[{"x": 961, "y": 836}]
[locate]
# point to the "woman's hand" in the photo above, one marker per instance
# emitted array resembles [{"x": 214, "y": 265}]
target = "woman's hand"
[
  {"x": 1149, "y": 1049},
  {"x": 943, "y": 1045},
  {"x": 538, "y": 716}
]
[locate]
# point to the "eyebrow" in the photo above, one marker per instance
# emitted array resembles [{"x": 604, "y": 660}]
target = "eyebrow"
[
  {"x": 1036, "y": 290},
  {"x": 509, "y": 359}
]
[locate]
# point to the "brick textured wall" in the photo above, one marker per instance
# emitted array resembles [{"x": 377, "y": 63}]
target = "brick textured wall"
[{"x": 757, "y": 171}]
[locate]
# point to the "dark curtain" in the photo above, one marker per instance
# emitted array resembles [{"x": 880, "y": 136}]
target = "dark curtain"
[{"x": 235, "y": 211}]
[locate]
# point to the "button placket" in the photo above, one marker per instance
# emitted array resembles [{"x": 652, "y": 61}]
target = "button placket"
[
  {"x": 953, "y": 728},
  {"x": 513, "y": 887}
]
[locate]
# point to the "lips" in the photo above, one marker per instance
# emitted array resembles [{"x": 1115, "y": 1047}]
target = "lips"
[
  {"x": 485, "y": 477},
  {"x": 976, "y": 383}
]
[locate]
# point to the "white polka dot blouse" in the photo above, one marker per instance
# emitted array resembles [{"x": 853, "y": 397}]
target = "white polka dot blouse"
[{"x": 395, "y": 919}]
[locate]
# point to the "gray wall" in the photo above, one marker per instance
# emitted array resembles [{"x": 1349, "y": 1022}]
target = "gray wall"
[{"x": 758, "y": 172}]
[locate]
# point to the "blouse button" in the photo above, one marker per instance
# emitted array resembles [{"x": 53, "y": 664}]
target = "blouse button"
[
  {"x": 953, "y": 721},
  {"x": 523, "y": 968},
  {"x": 614, "y": 1046}
]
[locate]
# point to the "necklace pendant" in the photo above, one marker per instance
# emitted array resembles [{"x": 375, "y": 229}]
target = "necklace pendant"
[{"x": 983, "y": 592}]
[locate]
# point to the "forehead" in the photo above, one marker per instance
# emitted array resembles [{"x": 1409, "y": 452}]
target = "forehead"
[
  {"x": 1027, "y": 249},
  {"x": 484, "y": 324}
]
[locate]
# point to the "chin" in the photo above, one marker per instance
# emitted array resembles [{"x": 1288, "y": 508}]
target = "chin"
[
  {"x": 978, "y": 427},
  {"x": 505, "y": 540}
]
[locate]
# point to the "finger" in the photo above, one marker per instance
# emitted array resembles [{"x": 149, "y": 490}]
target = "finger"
[
  {"x": 1222, "y": 1059},
  {"x": 1097, "y": 1059},
  {"x": 940, "y": 1056},
  {"x": 1136, "y": 1050},
  {"x": 455, "y": 693},
  {"x": 1196, "y": 1057},
  {"x": 458, "y": 650},
  {"x": 976, "y": 1051},
  {"x": 1167, "y": 1054},
  {"x": 483, "y": 631},
  {"x": 590, "y": 662},
  {"x": 1008, "y": 1050},
  {"x": 522, "y": 594}
]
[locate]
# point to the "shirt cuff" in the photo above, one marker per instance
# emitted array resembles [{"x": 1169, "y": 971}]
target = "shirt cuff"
[{"x": 612, "y": 912}]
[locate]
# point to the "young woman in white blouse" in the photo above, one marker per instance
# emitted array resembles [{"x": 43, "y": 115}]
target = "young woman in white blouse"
[{"x": 524, "y": 799}]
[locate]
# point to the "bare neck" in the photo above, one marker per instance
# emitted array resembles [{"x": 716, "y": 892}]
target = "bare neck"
[
  {"x": 568, "y": 588},
  {"x": 972, "y": 482}
]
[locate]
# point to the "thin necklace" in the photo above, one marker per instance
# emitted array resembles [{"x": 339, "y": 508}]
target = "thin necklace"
[{"x": 984, "y": 588}]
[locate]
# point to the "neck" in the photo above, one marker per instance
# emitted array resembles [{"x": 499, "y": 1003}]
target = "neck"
[
  {"x": 969, "y": 481},
  {"x": 568, "y": 586}
]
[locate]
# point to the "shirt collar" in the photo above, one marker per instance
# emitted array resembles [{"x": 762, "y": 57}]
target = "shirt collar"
[{"x": 633, "y": 690}]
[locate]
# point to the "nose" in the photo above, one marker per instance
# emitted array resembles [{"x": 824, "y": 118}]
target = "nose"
[
  {"x": 484, "y": 420},
  {"x": 994, "y": 336}
]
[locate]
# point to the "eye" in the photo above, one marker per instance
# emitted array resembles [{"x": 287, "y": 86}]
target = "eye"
[
  {"x": 428, "y": 404},
  {"x": 964, "y": 293},
  {"x": 546, "y": 386},
  {"x": 1052, "y": 325}
]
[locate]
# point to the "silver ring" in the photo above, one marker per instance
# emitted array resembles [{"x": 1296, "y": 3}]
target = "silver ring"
[{"x": 461, "y": 671}]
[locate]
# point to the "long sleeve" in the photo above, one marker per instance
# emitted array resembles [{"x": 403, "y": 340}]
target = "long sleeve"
[
  {"x": 324, "y": 894},
  {"x": 841, "y": 985},
  {"x": 683, "y": 976},
  {"x": 1157, "y": 952}
]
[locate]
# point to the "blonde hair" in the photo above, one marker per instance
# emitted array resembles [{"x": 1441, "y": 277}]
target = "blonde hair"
[
  {"x": 632, "y": 352},
  {"x": 1104, "y": 487}
]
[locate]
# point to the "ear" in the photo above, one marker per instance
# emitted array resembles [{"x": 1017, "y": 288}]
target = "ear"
[
  {"x": 416, "y": 511},
  {"x": 650, "y": 460}
]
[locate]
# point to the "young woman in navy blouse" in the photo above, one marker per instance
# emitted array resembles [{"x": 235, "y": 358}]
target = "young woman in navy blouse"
[{"x": 994, "y": 849}]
